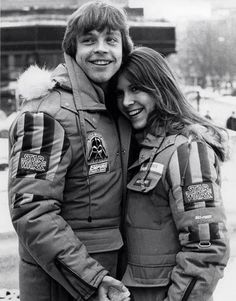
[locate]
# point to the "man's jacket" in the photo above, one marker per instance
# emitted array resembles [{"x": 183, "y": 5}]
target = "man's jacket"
[
  {"x": 175, "y": 225},
  {"x": 65, "y": 180}
]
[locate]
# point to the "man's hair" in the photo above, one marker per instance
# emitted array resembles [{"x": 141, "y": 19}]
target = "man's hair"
[{"x": 96, "y": 15}]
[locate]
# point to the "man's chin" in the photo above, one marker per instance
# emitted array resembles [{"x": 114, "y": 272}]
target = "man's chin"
[{"x": 101, "y": 80}]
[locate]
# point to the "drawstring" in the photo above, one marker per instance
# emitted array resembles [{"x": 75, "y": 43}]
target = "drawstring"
[
  {"x": 81, "y": 125},
  {"x": 80, "y": 121}
]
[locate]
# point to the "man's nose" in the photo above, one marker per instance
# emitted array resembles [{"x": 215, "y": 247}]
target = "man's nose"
[{"x": 101, "y": 46}]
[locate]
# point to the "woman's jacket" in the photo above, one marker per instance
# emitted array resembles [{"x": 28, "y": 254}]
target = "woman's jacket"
[{"x": 175, "y": 223}]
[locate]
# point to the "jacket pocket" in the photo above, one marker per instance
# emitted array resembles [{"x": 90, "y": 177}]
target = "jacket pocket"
[{"x": 147, "y": 274}]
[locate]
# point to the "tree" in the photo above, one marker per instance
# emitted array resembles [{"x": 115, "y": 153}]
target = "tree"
[{"x": 206, "y": 51}]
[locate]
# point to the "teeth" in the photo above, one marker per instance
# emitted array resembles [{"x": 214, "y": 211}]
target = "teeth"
[
  {"x": 135, "y": 112},
  {"x": 101, "y": 62}
]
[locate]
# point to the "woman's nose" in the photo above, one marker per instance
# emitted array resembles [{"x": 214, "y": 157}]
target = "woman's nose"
[{"x": 127, "y": 100}]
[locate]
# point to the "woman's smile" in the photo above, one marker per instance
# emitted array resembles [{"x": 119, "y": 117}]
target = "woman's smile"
[{"x": 134, "y": 103}]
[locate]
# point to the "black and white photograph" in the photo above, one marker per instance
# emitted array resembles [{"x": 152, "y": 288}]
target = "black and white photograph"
[{"x": 118, "y": 150}]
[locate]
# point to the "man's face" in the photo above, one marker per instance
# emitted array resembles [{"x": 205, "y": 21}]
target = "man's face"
[{"x": 99, "y": 54}]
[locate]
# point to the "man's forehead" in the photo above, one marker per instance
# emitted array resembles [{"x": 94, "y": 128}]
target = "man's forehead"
[{"x": 103, "y": 31}]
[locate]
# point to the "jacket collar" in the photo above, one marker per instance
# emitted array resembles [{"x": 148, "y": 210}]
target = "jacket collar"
[{"x": 149, "y": 143}]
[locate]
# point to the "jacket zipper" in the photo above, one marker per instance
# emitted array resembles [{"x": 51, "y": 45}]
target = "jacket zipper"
[{"x": 189, "y": 289}]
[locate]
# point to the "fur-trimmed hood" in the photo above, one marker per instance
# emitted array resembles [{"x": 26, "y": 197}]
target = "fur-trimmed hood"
[
  {"x": 35, "y": 83},
  {"x": 218, "y": 141}
]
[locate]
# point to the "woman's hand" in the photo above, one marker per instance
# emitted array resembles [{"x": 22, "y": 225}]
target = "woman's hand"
[{"x": 112, "y": 289}]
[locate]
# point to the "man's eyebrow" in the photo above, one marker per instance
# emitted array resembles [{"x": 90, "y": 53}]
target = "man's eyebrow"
[{"x": 112, "y": 31}]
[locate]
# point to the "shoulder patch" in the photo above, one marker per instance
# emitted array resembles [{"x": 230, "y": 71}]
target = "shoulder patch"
[
  {"x": 198, "y": 195},
  {"x": 34, "y": 163}
]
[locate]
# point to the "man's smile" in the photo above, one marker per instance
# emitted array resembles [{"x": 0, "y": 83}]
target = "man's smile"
[{"x": 100, "y": 62}]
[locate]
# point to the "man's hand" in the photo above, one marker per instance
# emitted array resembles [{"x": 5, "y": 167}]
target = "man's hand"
[{"x": 112, "y": 289}]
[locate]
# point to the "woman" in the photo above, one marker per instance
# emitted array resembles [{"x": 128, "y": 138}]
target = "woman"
[{"x": 175, "y": 221}]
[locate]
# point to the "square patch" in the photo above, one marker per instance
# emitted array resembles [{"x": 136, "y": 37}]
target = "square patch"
[
  {"x": 199, "y": 192},
  {"x": 34, "y": 163}
]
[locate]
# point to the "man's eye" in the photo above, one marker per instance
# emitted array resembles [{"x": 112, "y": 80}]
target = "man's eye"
[
  {"x": 87, "y": 41},
  {"x": 112, "y": 40}
]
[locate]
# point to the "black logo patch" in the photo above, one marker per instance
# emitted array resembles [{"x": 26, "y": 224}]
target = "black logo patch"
[
  {"x": 198, "y": 193},
  {"x": 97, "y": 154},
  {"x": 35, "y": 163}
]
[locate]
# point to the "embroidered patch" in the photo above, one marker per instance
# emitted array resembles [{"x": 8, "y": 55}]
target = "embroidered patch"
[
  {"x": 140, "y": 182},
  {"x": 155, "y": 167},
  {"x": 198, "y": 193},
  {"x": 98, "y": 168},
  {"x": 203, "y": 218},
  {"x": 97, "y": 154},
  {"x": 35, "y": 163}
]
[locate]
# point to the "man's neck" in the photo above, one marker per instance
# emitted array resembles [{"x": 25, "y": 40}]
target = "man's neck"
[{"x": 103, "y": 86}]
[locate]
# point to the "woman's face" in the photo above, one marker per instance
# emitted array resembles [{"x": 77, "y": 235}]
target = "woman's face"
[{"x": 134, "y": 103}]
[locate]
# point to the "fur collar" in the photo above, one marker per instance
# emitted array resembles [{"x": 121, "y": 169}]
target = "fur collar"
[{"x": 34, "y": 83}]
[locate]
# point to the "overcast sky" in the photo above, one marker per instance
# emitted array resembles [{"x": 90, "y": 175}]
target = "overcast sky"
[{"x": 175, "y": 9}]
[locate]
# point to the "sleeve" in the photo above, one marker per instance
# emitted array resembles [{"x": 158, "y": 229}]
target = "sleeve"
[
  {"x": 193, "y": 176},
  {"x": 39, "y": 158}
]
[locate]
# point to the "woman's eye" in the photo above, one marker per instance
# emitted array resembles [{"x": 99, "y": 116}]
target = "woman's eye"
[{"x": 134, "y": 89}]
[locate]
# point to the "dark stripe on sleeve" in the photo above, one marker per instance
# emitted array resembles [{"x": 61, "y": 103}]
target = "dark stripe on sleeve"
[
  {"x": 14, "y": 132},
  {"x": 204, "y": 162},
  {"x": 194, "y": 234},
  {"x": 48, "y": 134},
  {"x": 47, "y": 141},
  {"x": 214, "y": 231},
  {"x": 217, "y": 167},
  {"x": 183, "y": 158},
  {"x": 28, "y": 132}
]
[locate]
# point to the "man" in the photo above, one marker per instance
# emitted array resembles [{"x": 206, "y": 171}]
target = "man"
[
  {"x": 208, "y": 116},
  {"x": 231, "y": 122},
  {"x": 65, "y": 171}
]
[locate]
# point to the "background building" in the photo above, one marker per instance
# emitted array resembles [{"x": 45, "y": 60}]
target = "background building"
[{"x": 32, "y": 32}]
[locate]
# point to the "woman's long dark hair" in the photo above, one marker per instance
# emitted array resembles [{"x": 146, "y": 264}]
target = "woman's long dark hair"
[{"x": 150, "y": 72}]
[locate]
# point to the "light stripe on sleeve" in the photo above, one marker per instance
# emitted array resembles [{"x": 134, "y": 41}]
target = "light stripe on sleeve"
[
  {"x": 174, "y": 175},
  {"x": 194, "y": 164}
]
